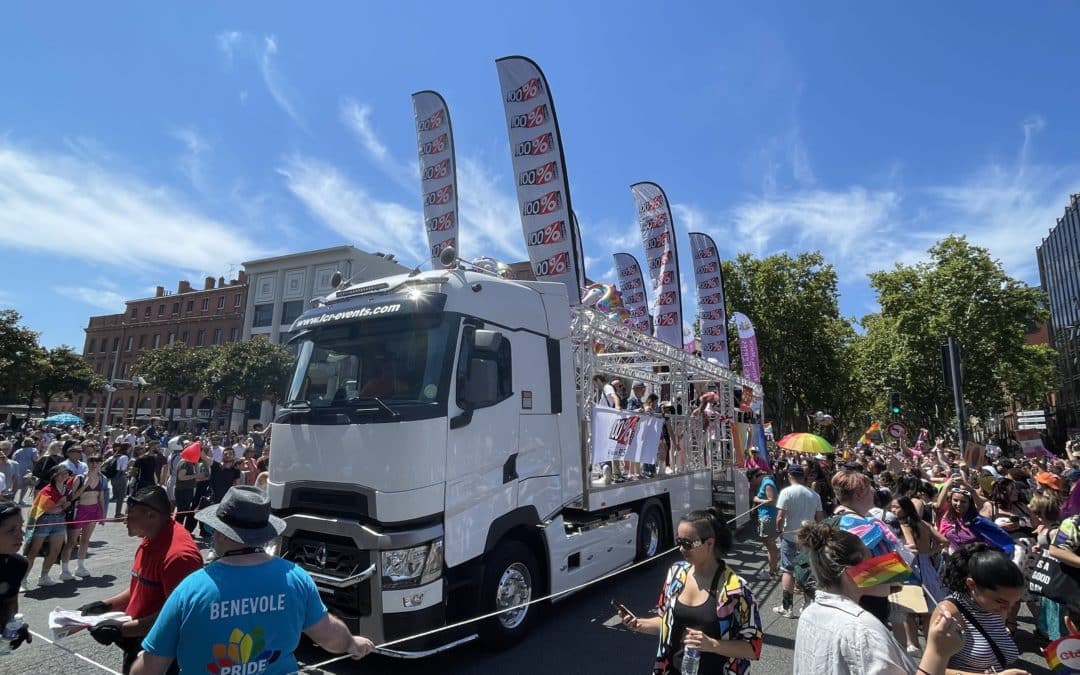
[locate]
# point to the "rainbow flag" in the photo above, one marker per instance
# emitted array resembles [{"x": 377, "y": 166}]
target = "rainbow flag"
[
  {"x": 874, "y": 428},
  {"x": 1063, "y": 656},
  {"x": 889, "y": 568}
]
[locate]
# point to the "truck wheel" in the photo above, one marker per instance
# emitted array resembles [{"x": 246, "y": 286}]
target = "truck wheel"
[
  {"x": 650, "y": 533},
  {"x": 510, "y": 578}
]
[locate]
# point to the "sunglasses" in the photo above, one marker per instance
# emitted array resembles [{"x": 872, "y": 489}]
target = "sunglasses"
[{"x": 687, "y": 544}]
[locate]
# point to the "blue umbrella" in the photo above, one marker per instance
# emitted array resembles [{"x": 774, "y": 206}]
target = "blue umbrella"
[{"x": 63, "y": 419}]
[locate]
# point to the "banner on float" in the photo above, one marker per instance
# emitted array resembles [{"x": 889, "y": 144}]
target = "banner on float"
[
  {"x": 623, "y": 435},
  {"x": 540, "y": 175},
  {"x": 438, "y": 172},
  {"x": 748, "y": 352},
  {"x": 634, "y": 297},
  {"x": 661, "y": 259},
  {"x": 712, "y": 310}
]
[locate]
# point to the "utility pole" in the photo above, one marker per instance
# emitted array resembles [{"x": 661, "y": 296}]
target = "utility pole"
[
  {"x": 110, "y": 388},
  {"x": 954, "y": 378}
]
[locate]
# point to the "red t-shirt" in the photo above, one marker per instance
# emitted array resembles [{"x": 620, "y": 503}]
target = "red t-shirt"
[{"x": 160, "y": 565}]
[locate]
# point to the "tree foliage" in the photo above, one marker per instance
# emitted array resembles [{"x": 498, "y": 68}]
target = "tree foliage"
[
  {"x": 803, "y": 340},
  {"x": 64, "y": 371},
  {"x": 21, "y": 359},
  {"x": 963, "y": 292},
  {"x": 254, "y": 370},
  {"x": 174, "y": 369}
]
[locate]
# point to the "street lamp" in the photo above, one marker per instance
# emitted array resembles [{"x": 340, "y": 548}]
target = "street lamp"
[{"x": 139, "y": 383}]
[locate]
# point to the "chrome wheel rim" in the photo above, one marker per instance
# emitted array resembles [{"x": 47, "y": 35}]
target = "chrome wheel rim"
[
  {"x": 515, "y": 588},
  {"x": 652, "y": 537}
]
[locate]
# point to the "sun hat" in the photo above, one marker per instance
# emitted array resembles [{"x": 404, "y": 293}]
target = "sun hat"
[
  {"x": 243, "y": 516},
  {"x": 1050, "y": 480}
]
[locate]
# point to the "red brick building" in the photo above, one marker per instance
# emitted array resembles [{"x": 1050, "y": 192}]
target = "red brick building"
[{"x": 211, "y": 315}]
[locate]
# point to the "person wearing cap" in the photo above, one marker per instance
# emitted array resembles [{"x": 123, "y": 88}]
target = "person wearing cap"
[
  {"x": 166, "y": 556},
  {"x": 795, "y": 505},
  {"x": 637, "y": 397},
  {"x": 1051, "y": 483},
  {"x": 245, "y": 595}
]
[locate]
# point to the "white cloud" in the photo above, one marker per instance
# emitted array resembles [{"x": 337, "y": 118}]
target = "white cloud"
[
  {"x": 73, "y": 208},
  {"x": 235, "y": 43},
  {"x": 191, "y": 161},
  {"x": 357, "y": 117},
  {"x": 110, "y": 301},
  {"x": 490, "y": 224},
  {"x": 351, "y": 211}
]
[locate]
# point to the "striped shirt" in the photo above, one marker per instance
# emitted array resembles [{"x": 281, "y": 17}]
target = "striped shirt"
[{"x": 977, "y": 655}]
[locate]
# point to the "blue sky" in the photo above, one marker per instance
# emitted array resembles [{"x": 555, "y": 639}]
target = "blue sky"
[{"x": 144, "y": 144}]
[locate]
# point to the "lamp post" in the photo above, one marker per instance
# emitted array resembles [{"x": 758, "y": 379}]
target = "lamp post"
[{"x": 139, "y": 383}]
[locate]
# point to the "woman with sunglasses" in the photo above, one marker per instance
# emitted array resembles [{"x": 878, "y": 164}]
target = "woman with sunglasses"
[
  {"x": 704, "y": 605},
  {"x": 88, "y": 493},
  {"x": 837, "y": 636},
  {"x": 12, "y": 566},
  {"x": 962, "y": 525}
]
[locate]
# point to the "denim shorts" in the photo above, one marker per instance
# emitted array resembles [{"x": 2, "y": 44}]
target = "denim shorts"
[
  {"x": 788, "y": 551},
  {"x": 47, "y": 525}
]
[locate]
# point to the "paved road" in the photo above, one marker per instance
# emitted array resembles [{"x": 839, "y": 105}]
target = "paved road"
[{"x": 577, "y": 635}]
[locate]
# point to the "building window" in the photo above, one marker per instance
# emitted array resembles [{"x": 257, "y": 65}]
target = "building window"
[
  {"x": 221, "y": 302},
  {"x": 184, "y": 337},
  {"x": 157, "y": 341},
  {"x": 264, "y": 315},
  {"x": 146, "y": 312},
  {"x": 190, "y": 305},
  {"x": 172, "y": 338},
  {"x": 161, "y": 310},
  {"x": 291, "y": 310},
  {"x": 115, "y": 343},
  {"x": 104, "y": 345},
  {"x": 200, "y": 336},
  {"x": 90, "y": 348},
  {"x": 131, "y": 341},
  {"x": 131, "y": 401},
  {"x": 216, "y": 337},
  {"x": 234, "y": 335},
  {"x": 127, "y": 367},
  {"x": 205, "y": 304},
  {"x": 134, "y": 312},
  {"x": 142, "y": 341},
  {"x": 238, "y": 300},
  {"x": 158, "y": 404},
  {"x": 176, "y": 308}
]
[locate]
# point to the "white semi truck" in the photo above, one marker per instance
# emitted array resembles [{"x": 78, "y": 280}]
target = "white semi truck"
[{"x": 433, "y": 462}]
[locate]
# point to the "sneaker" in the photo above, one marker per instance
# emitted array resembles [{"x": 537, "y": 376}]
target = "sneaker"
[
  {"x": 912, "y": 650},
  {"x": 786, "y": 613},
  {"x": 81, "y": 571},
  {"x": 46, "y": 580},
  {"x": 24, "y": 586},
  {"x": 65, "y": 575}
]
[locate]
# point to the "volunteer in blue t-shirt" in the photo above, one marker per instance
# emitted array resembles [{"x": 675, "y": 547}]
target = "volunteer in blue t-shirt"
[
  {"x": 244, "y": 612},
  {"x": 766, "y": 514}
]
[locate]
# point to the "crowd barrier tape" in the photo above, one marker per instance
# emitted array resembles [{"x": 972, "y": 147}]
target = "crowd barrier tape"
[{"x": 385, "y": 645}]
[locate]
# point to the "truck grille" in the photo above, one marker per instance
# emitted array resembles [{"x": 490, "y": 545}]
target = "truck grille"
[{"x": 337, "y": 557}]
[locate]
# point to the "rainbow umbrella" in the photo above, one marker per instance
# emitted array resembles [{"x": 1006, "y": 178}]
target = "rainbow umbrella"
[{"x": 810, "y": 443}]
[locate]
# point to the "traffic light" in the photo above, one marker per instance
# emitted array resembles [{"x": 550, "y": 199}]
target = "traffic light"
[{"x": 894, "y": 402}]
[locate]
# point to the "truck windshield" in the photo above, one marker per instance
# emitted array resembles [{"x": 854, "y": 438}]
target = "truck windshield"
[{"x": 398, "y": 366}]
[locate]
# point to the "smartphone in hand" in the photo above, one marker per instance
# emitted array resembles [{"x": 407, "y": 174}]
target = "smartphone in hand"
[{"x": 622, "y": 610}]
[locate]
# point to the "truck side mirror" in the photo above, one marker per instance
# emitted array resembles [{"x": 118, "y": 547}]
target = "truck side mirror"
[{"x": 487, "y": 341}]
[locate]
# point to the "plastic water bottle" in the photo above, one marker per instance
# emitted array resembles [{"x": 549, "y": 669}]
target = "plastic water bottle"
[
  {"x": 691, "y": 661},
  {"x": 11, "y": 631}
]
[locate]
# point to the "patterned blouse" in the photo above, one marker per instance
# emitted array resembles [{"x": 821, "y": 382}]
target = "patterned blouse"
[{"x": 736, "y": 613}]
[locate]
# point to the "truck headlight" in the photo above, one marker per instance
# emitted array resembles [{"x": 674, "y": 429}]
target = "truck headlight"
[{"x": 415, "y": 566}]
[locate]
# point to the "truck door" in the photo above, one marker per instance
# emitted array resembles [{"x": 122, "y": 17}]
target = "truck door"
[{"x": 482, "y": 442}]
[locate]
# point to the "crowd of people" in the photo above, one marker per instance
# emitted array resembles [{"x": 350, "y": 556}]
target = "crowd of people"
[{"x": 164, "y": 488}]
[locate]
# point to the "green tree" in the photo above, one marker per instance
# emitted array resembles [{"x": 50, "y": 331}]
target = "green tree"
[
  {"x": 963, "y": 292},
  {"x": 174, "y": 370},
  {"x": 255, "y": 370},
  {"x": 21, "y": 359},
  {"x": 63, "y": 372},
  {"x": 803, "y": 341}
]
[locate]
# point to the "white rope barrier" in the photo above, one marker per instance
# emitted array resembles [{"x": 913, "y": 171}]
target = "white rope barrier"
[
  {"x": 76, "y": 654},
  {"x": 484, "y": 617},
  {"x": 385, "y": 645}
]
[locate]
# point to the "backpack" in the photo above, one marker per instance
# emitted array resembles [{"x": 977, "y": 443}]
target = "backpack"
[
  {"x": 108, "y": 469},
  {"x": 804, "y": 575}
]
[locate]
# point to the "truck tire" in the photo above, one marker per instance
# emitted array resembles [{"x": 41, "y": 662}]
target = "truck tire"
[
  {"x": 650, "y": 534},
  {"x": 511, "y": 577}
]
